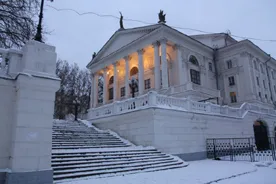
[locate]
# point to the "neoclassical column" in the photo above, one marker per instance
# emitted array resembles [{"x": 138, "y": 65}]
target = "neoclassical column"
[
  {"x": 92, "y": 92},
  {"x": 105, "y": 86},
  {"x": 141, "y": 71},
  {"x": 126, "y": 58},
  {"x": 182, "y": 72},
  {"x": 95, "y": 89},
  {"x": 157, "y": 81},
  {"x": 115, "y": 77},
  {"x": 164, "y": 64}
]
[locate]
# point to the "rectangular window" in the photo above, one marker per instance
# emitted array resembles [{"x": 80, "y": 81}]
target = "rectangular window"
[
  {"x": 210, "y": 66},
  {"x": 275, "y": 88},
  {"x": 255, "y": 65},
  {"x": 273, "y": 74},
  {"x": 147, "y": 84},
  {"x": 233, "y": 97},
  {"x": 266, "y": 96},
  {"x": 123, "y": 91},
  {"x": 195, "y": 76},
  {"x": 264, "y": 84},
  {"x": 260, "y": 94},
  {"x": 262, "y": 69},
  {"x": 110, "y": 93},
  {"x": 229, "y": 64},
  {"x": 258, "y": 82},
  {"x": 231, "y": 81}
]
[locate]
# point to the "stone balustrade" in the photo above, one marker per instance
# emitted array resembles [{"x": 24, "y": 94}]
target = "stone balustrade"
[{"x": 153, "y": 99}]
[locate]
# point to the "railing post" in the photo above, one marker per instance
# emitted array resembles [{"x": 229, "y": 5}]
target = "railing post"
[
  {"x": 252, "y": 154},
  {"x": 215, "y": 153},
  {"x": 231, "y": 150},
  {"x": 208, "y": 107},
  {"x": 115, "y": 107},
  {"x": 272, "y": 146},
  {"x": 152, "y": 98}
]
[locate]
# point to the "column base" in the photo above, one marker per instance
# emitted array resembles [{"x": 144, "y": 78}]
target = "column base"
[{"x": 34, "y": 177}]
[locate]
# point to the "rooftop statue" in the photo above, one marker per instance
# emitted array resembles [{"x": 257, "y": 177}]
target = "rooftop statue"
[
  {"x": 121, "y": 21},
  {"x": 94, "y": 55},
  {"x": 162, "y": 17}
]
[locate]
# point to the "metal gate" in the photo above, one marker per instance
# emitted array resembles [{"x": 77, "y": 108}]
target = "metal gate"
[{"x": 243, "y": 149}]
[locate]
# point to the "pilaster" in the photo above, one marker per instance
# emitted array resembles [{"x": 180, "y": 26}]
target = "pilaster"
[
  {"x": 164, "y": 63},
  {"x": 141, "y": 71},
  {"x": 157, "y": 81}
]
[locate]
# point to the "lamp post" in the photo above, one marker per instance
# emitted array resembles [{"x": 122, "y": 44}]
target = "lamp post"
[
  {"x": 38, "y": 36},
  {"x": 133, "y": 83}
]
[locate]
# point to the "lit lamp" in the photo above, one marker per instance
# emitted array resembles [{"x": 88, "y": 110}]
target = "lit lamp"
[{"x": 133, "y": 83}]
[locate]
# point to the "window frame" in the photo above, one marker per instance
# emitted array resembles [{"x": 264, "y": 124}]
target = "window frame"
[
  {"x": 147, "y": 84},
  {"x": 210, "y": 66},
  {"x": 193, "y": 60},
  {"x": 233, "y": 97},
  {"x": 110, "y": 93},
  {"x": 231, "y": 80},
  {"x": 195, "y": 76},
  {"x": 229, "y": 64},
  {"x": 111, "y": 80},
  {"x": 123, "y": 91}
]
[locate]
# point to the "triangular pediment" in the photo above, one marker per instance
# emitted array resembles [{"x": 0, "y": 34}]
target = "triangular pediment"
[{"x": 122, "y": 38}]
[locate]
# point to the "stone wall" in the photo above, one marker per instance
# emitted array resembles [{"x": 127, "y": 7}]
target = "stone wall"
[
  {"x": 7, "y": 103},
  {"x": 27, "y": 91},
  {"x": 179, "y": 132}
]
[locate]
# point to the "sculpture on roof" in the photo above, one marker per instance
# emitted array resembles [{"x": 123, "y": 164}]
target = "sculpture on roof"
[
  {"x": 162, "y": 17},
  {"x": 94, "y": 55},
  {"x": 121, "y": 21}
]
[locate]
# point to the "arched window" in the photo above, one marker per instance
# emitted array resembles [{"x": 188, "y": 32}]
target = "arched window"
[
  {"x": 133, "y": 71},
  {"x": 261, "y": 136},
  {"x": 111, "y": 80},
  {"x": 193, "y": 60}
]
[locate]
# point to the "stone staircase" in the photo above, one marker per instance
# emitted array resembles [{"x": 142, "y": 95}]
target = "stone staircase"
[{"x": 81, "y": 150}]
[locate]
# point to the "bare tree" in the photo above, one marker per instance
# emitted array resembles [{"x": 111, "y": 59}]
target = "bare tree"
[{"x": 17, "y": 24}]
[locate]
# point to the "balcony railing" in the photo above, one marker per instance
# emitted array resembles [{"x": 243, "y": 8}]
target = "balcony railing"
[{"x": 153, "y": 99}]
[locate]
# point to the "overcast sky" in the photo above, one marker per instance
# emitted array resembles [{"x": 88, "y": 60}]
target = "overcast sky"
[{"x": 77, "y": 37}]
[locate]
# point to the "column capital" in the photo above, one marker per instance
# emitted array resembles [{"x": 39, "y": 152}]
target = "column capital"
[
  {"x": 176, "y": 46},
  {"x": 127, "y": 58},
  {"x": 155, "y": 44},
  {"x": 163, "y": 40},
  {"x": 115, "y": 64},
  {"x": 105, "y": 69},
  {"x": 141, "y": 51}
]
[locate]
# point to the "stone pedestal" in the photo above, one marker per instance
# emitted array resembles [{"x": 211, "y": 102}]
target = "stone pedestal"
[{"x": 30, "y": 144}]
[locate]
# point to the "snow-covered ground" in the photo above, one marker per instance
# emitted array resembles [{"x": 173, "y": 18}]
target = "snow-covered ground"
[{"x": 198, "y": 172}]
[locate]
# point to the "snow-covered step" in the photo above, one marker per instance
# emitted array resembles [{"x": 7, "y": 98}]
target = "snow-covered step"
[
  {"x": 100, "y": 152},
  {"x": 103, "y": 157},
  {"x": 114, "y": 166},
  {"x": 81, "y": 150},
  {"x": 73, "y": 164},
  {"x": 83, "y": 147},
  {"x": 85, "y": 143},
  {"x": 131, "y": 168}
]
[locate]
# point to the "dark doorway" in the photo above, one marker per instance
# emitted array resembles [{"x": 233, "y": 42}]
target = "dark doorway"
[{"x": 261, "y": 136}]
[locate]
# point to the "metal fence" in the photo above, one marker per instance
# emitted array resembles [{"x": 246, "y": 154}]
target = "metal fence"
[{"x": 240, "y": 149}]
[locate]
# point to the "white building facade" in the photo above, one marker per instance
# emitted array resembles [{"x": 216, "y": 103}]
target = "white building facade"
[
  {"x": 185, "y": 84},
  {"x": 199, "y": 67}
]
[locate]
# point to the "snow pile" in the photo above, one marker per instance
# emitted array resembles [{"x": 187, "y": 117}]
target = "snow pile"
[
  {"x": 265, "y": 164},
  {"x": 198, "y": 172}
]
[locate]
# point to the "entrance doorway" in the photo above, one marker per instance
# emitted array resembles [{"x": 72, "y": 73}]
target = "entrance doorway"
[{"x": 261, "y": 135}]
